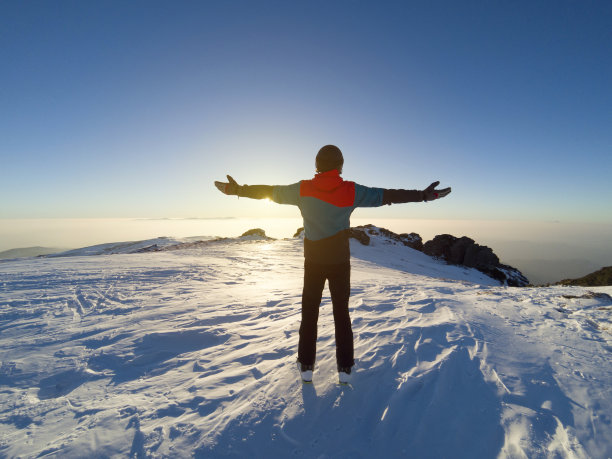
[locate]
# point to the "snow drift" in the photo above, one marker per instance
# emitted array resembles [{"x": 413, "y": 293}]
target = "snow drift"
[{"x": 190, "y": 353}]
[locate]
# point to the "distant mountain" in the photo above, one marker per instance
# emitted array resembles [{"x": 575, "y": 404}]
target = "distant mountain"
[
  {"x": 28, "y": 252},
  {"x": 599, "y": 278}
]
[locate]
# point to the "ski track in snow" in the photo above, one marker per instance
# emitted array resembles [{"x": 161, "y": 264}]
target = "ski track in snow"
[{"x": 191, "y": 353}]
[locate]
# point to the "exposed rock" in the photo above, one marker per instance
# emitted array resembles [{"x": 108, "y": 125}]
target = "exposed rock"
[
  {"x": 363, "y": 234},
  {"x": 360, "y": 235},
  {"x": 299, "y": 232},
  {"x": 255, "y": 232},
  {"x": 194, "y": 244},
  {"x": 599, "y": 278},
  {"x": 149, "y": 248},
  {"x": 464, "y": 251},
  {"x": 589, "y": 296},
  {"x": 508, "y": 275},
  {"x": 460, "y": 251}
]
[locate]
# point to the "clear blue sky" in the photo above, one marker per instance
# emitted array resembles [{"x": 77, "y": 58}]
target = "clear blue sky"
[{"x": 133, "y": 109}]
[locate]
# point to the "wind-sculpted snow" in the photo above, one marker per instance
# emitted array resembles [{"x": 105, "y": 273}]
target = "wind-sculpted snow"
[{"x": 190, "y": 353}]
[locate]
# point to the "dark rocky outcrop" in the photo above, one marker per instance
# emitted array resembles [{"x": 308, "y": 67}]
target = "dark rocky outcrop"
[
  {"x": 602, "y": 277},
  {"x": 460, "y": 251},
  {"x": 465, "y": 252}
]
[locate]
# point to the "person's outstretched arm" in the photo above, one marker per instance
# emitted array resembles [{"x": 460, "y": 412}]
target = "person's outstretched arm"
[
  {"x": 428, "y": 194},
  {"x": 246, "y": 191}
]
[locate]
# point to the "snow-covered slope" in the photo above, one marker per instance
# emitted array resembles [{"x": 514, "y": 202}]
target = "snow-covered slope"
[
  {"x": 114, "y": 248},
  {"x": 191, "y": 352},
  {"x": 24, "y": 252}
]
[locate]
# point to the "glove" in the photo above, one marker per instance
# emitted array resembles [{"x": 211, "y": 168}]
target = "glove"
[
  {"x": 231, "y": 188},
  {"x": 430, "y": 193}
]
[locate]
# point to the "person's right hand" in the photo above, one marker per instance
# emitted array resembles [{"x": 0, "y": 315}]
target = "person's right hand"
[{"x": 230, "y": 188}]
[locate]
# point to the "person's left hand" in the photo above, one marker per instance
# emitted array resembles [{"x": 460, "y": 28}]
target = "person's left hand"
[
  {"x": 430, "y": 193},
  {"x": 230, "y": 188}
]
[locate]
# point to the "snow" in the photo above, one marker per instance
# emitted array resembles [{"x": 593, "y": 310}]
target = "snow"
[{"x": 191, "y": 353}]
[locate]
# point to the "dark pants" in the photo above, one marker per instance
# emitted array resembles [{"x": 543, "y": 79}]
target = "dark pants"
[{"x": 339, "y": 278}]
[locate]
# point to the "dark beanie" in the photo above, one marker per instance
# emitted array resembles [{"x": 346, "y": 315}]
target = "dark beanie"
[{"x": 329, "y": 158}]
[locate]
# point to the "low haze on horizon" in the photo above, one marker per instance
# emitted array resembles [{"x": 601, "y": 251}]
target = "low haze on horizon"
[
  {"x": 544, "y": 251},
  {"x": 133, "y": 109}
]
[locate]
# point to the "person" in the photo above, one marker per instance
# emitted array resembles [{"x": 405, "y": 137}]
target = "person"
[{"x": 326, "y": 203}]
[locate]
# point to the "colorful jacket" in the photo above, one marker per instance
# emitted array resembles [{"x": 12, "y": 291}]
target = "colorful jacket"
[{"x": 326, "y": 203}]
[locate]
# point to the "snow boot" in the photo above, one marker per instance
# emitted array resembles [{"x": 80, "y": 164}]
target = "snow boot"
[
  {"x": 305, "y": 372},
  {"x": 344, "y": 375}
]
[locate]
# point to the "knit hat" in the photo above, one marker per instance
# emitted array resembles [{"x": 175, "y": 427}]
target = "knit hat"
[{"x": 329, "y": 158}]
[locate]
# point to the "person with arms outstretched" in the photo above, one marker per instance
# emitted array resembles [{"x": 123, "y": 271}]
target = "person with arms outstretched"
[{"x": 326, "y": 203}]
